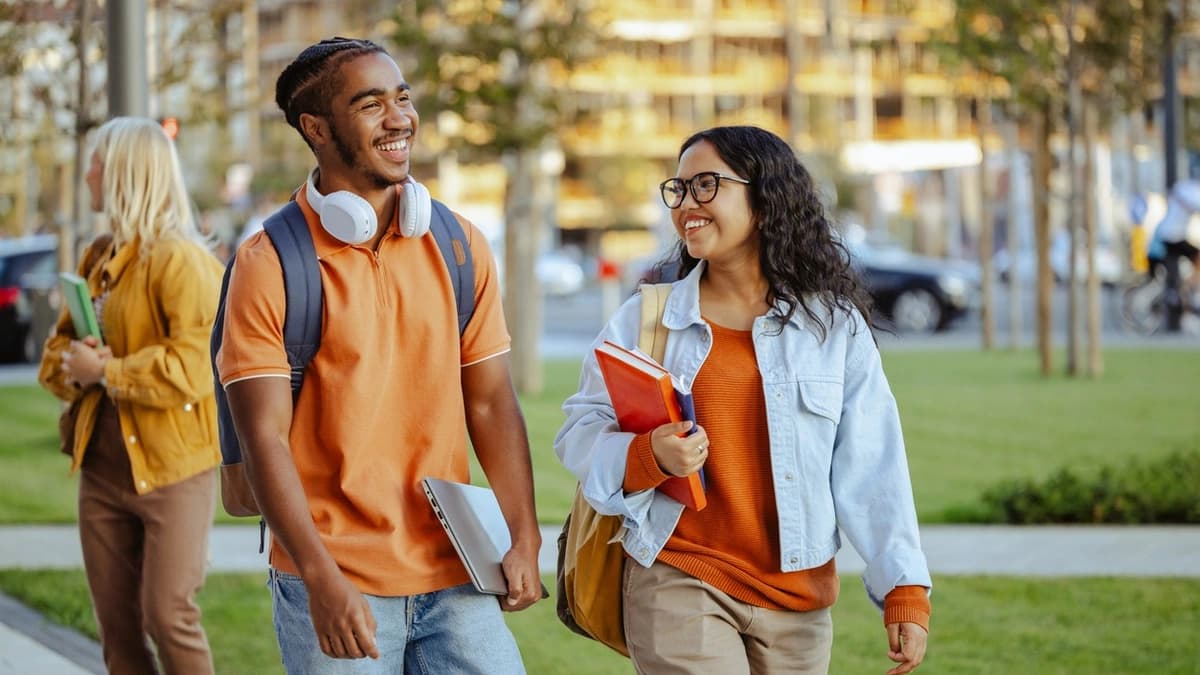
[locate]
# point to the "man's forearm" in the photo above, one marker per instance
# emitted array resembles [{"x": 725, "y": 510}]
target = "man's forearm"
[
  {"x": 497, "y": 431},
  {"x": 280, "y": 497},
  {"x": 262, "y": 414},
  {"x": 506, "y": 461}
]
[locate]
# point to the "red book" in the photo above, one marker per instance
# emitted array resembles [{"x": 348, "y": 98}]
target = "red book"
[{"x": 645, "y": 398}]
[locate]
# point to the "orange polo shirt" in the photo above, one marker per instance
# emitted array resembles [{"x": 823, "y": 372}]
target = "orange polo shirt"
[
  {"x": 733, "y": 544},
  {"x": 381, "y": 406}
]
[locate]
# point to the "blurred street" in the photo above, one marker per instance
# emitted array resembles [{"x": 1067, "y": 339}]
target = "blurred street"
[{"x": 572, "y": 321}]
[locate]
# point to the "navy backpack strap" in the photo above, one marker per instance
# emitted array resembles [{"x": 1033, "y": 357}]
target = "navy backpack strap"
[
  {"x": 302, "y": 286},
  {"x": 231, "y": 451},
  {"x": 452, "y": 242}
]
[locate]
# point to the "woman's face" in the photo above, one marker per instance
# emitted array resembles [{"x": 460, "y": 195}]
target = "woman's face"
[
  {"x": 95, "y": 181},
  {"x": 721, "y": 230}
]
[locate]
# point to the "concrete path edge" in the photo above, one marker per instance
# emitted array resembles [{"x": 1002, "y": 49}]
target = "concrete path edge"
[{"x": 73, "y": 646}]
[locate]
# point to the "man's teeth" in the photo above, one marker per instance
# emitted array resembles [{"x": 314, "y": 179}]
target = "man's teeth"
[
  {"x": 693, "y": 224},
  {"x": 401, "y": 144}
]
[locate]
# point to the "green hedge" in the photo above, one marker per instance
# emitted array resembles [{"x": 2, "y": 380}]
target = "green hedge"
[{"x": 1159, "y": 491}]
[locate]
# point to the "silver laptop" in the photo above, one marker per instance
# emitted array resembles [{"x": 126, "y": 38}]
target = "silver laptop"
[{"x": 472, "y": 519}]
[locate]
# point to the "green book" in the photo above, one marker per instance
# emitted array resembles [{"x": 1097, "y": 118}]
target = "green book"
[{"x": 79, "y": 303}]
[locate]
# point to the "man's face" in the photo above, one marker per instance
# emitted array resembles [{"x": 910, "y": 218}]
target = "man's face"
[{"x": 372, "y": 123}]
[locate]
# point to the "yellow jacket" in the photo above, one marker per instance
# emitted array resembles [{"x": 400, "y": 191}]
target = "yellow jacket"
[{"x": 156, "y": 319}]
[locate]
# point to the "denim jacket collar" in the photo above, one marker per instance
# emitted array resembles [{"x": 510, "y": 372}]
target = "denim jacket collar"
[{"x": 683, "y": 305}]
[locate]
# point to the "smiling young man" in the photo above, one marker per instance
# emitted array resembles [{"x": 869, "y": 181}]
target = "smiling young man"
[{"x": 363, "y": 578}]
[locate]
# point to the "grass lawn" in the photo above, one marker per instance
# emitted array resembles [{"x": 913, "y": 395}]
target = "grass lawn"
[
  {"x": 981, "y": 626},
  {"x": 970, "y": 420}
]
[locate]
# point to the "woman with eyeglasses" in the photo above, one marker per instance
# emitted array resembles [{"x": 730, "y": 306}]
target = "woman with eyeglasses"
[{"x": 796, "y": 430}]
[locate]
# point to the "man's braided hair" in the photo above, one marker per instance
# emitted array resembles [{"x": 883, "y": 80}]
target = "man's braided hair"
[{"x": 307, "y": 85}]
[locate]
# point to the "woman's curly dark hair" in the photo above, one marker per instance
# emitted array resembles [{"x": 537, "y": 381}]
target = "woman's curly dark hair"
[{"x": 800, "y": 257}]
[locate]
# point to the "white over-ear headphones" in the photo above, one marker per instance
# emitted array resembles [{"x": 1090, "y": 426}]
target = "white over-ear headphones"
[{"x": 349, "y": 218}]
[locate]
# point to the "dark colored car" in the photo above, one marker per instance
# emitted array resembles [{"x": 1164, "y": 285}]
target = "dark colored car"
[
  {"x": 914, "y": 294},
  {"x": 28, "y": 277}
]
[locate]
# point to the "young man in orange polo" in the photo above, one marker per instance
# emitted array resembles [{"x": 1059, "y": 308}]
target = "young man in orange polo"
[{"x": 360, "y": 566}]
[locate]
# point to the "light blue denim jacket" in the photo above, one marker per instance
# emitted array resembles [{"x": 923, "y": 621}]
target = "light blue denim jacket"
[{"x": 837, "y": 453}]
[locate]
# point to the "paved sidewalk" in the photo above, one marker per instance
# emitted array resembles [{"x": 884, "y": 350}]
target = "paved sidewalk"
[
  {"x": 1153, "y": 551},
  {"x": 31, "y": 644}
]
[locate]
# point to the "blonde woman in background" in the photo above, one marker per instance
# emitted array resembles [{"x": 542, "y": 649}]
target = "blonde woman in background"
[{"x": 145, "y": 431}]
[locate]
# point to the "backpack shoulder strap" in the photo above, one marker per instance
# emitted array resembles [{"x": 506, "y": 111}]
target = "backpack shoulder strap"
[
  {"x": 231, "y": 451},
  {"x": 302, "y": 287},
  {"x": 452, "y": 242},
  {"x": 652, "y": 334}
]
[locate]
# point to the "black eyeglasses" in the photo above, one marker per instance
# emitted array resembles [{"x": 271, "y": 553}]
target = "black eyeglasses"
[{"x": 703, "y": 186}]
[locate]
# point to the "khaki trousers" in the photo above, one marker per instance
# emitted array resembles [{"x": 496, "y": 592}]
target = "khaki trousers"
[
  {"x": 677, "y": 624},
  {"x": 145, "y": 558}
]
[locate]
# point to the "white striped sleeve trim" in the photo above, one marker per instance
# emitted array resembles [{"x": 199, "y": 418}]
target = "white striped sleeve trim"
[
  {"x": 489, "y": 356},
  {"x": 254, "y": 377}
]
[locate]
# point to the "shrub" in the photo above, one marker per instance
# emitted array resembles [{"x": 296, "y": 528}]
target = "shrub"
[{"x": 1159, "y": 491}]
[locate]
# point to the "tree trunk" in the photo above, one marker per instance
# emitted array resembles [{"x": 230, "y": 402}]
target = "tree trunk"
[
  {"x": 1136, "y": 136},
  {"x": 250, "y": 84},
  {"x": 1074, "y": 103},
  {"x": 1095, "y": 357},
  {"x": 986, "y": 195},
  {"x": 793, "y": 43},
  {"x": 522, "y": 293},
  {"x": 1013, "y": 232},
  {"x": 1041, "y": 219},
  {"x": 73, "y": 227}
]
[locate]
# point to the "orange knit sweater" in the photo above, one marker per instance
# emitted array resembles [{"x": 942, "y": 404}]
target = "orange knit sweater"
[{"x": 733, "y": 544}]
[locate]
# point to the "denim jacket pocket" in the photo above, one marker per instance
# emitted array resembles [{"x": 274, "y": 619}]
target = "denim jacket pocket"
[{"x": 822, "y": 397}]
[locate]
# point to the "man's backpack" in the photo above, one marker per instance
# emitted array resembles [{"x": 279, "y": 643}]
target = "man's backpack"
[{"x": 293, "y": 242}]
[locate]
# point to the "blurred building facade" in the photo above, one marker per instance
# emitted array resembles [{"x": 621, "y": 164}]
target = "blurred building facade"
[
  {"x": 840, "y": 80},
  {"x": 854, "y": 85}
]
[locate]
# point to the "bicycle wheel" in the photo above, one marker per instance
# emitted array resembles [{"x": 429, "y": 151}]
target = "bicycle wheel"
[{"x": 1142, "y": 306}]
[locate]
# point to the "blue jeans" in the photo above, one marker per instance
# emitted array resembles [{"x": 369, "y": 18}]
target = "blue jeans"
[{"x": 454, "y": 630}]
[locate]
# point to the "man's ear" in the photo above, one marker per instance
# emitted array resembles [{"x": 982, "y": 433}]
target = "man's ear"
[{"x": 315, "y": 129}]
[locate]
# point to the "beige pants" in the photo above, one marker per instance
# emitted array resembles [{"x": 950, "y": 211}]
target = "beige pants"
[
  {"x": 677, "y": 624},
  {"x": 145, "y": 557}
]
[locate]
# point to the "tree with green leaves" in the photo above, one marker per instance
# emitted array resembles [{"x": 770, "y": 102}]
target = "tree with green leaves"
[
  {"x": 489, "y": 76},
  {"x": 53, "y": 53},
  {"x": 1041, "y": 50}
]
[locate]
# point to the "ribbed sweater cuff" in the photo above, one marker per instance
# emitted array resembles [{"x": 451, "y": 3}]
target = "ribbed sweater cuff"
[
  {"x": 907, "y": 604},
  {"x": 641, "y": 469}
]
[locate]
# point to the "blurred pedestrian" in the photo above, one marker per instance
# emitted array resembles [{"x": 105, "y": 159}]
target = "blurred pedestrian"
[
  {"x": 142, "y": 405},
  {"x": 1171, "y": 244},
  {"x": 797, "y": 432}
]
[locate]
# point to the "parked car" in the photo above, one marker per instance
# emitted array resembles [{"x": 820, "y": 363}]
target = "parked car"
[
  {"x": 28, "y": 277},
  {"x": 557, "y": 271},
  {"x": 1109, "y": 266},
  {"x": 913, "y": 293},
  {"x": 559, "y": 274}
]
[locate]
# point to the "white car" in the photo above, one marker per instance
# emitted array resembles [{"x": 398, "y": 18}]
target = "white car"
[
  {"x": 1109, "y": 266},
  {"x": 557, "y": 272}
]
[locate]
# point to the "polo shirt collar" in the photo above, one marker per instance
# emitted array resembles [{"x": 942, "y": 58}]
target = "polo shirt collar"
[{"x": 325, "y": 243}]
